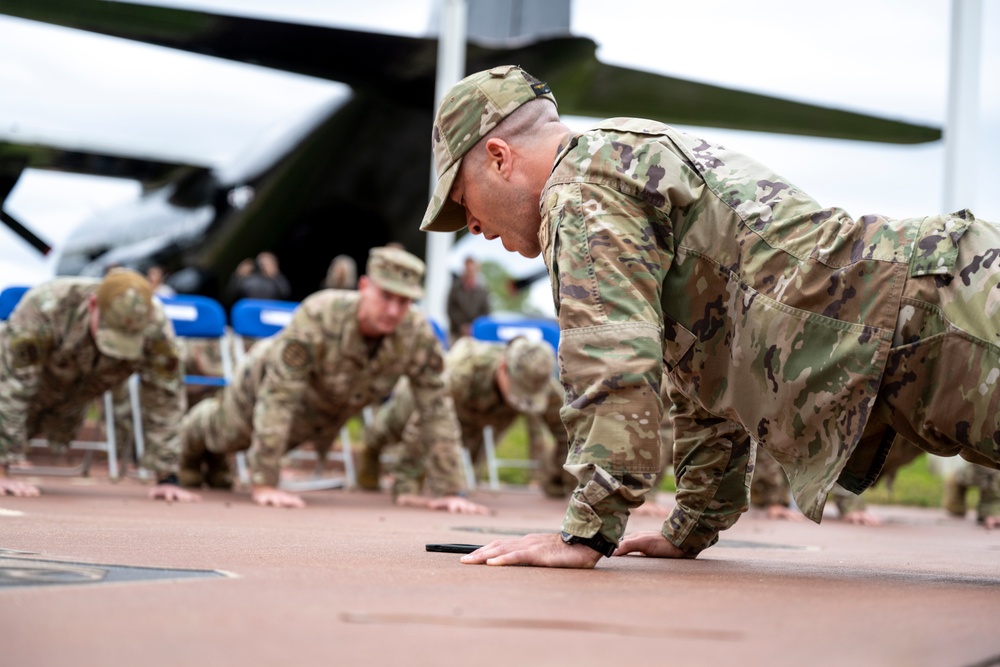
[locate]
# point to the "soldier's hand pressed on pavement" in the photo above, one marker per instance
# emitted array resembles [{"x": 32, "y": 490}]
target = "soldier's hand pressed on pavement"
[
  {"x": 779, "y": 511},
  {"x": 861, "y": 518},
  {"x": 172, "y": 492},
  {"x": 14, "y": 488},
  {"x": 649, "y": 543},
  {"x": 452, "y": 504},
  {"x": 991, "y": 522},
  {"x": 539, "y": 549},
  {"x": 268, "y": 495}
]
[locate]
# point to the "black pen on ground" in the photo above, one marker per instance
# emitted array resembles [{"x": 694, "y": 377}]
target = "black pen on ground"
[{"x": 453, "y": 548}]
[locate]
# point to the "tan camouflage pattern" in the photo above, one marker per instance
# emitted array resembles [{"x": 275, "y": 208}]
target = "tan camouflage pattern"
[
  {"x": 396, "y": 271},
  {"x": 474, "y": 106},
  {"x": 972, "y": 476},
  {"x": 306, "y": 381},
  {"x": 51, "y": 370},
  {"x": 200, "y": 356},
  {"x": 770, "y": 486},
  {"x": 772, "y": 317},
  {"x": 470, "y": 377},
  {"x": 530, "y": 368},
  {"x": 124, "y": 301}
]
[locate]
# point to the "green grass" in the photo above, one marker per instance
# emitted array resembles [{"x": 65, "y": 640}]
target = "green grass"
[{"x": 915, "y": 484}]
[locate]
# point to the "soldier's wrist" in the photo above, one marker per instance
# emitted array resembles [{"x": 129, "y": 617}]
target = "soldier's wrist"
[{"x": 170, "y": 478}]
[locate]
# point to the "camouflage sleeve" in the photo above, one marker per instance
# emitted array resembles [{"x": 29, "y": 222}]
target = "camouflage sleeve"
[
  {"x": 24, "y": 345},
  {"x": 162, "y": 399},
  {"x": 610, "y": 273},
  {"x": 556, "y": 457},
  {"x": 436, "y": 419},
  {"x": 712, "y": 464},
  {"x": 280, "y": 397}
]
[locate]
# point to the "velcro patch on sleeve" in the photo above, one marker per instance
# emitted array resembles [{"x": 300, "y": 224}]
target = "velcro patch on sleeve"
[{"x": 295, "y": 355}]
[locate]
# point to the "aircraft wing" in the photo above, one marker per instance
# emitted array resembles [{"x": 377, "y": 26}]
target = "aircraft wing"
[
  {"x": 16, "y": 157},
  {"x": 403, "y": 69}
]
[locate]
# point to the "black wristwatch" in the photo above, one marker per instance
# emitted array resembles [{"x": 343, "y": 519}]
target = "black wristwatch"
[{"x": 597, "y": 543}]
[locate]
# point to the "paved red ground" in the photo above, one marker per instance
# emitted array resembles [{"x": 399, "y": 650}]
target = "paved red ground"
[{"x": 347, "y": 581}]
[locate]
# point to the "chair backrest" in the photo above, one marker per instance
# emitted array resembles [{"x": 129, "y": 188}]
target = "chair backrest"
[
  {"x": 260, "y": 318},
  {"x": 494, "y": 328},
  {"x": 9, "y": 298},
  {"x": 196, "y": 316}
]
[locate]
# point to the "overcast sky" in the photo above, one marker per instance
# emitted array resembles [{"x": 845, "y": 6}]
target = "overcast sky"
[{"x": 885, "y": 57}]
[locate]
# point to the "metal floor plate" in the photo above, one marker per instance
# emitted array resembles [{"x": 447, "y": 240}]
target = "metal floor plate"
[{"x": 20, "y": 569}]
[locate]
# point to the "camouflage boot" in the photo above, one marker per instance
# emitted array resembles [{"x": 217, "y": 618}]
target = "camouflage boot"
[
  {"x": 218, "y": 471},
  {"x": 954, "y": 496},
  {"x": 369, "y": 470}
]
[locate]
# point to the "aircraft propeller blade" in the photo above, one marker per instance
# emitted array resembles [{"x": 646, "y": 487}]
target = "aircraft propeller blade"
[{"x": 30, "y": 237}]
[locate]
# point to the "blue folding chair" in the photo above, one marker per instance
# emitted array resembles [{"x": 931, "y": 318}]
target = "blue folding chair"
[
  {"x": 258, "y": 318},
  {"x": 501, "y": 329},
  {"x": 497, "y": 328},
  {"x": 192, "y": 316},
  {"x": 252, "y": 319},
  {"x": 9, "y": 298}
]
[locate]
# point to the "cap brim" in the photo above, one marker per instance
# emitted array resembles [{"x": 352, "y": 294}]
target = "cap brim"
[
  {"x": 118, "y": 345},
  {"x": 443, "y": 214},
  {"x": 530, "y": 403}
]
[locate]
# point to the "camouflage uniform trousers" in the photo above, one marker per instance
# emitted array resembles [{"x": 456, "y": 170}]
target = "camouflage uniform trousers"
[
  {"x": 202, "y": 356},
  {"x": 969, "y": 476},
  {"x": 416, "y": 463},
  {"x": 219, "y": 427},
  {"x": 945, "y": 361}
]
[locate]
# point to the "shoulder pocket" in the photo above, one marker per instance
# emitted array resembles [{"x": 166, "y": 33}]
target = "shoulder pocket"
[{"x": 936, "y": 247}]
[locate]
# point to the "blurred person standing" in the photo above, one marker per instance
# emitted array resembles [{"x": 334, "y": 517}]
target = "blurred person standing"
[
  {"x": 468, "y": 298},
  {"x": 342, "y": 273}
]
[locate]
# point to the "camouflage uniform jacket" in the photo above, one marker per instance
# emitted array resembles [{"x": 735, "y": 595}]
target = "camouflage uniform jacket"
[
  {"x": 49, "y": 363},
  {"x": 772, "y": 317},
  {"x": 319, "y": 371},
  {"x": 470, "y": 376},
  {"x": 471, "y": 369}
]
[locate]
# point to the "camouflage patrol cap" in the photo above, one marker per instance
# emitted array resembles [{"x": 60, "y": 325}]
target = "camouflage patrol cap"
[
  {"x": 473, "y": 107},
  {"x": 396, "y": 271},
  {"x": 529, "y": 369},
  {"x": 125, "y": 305}
]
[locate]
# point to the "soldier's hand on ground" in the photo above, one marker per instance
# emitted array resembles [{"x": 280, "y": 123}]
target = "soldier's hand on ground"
[
  {"x": 649, "y": 543},
  {"x": 458, "y": 505},
  {"x": 452, "y": 504},
  {"x": 991, "y": 522},
  {"x": 779, "y": 511},
  {"x": 539, "y": 549},
  {"x": 11, "y": 487},
  {"x": 172, "y": 492},
  {"x": 861, "y": 518},
  {"x": 268, "y": 495}
]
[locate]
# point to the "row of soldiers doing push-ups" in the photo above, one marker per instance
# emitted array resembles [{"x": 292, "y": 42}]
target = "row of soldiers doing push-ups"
[{"x": 71, "y": 339}]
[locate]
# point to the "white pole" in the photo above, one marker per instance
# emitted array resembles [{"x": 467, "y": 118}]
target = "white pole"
[
  {"x": 450, "y": 69},
  {"x": 962, "y": 128}
]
